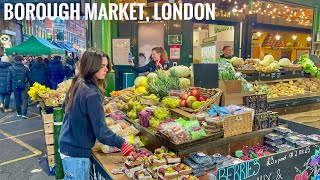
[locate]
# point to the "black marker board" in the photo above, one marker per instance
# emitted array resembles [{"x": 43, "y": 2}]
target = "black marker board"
[
  {"x": 206, "y": 75},
  {"x": 289, "y": 165}
]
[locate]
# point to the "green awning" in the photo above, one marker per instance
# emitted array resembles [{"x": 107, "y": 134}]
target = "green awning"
[{"x": 35, "y": 46}]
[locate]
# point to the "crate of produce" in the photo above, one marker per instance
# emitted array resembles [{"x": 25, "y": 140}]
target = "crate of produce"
[
  {"x": 50, "y": 149},
  {"x": 213, "y": 98},
  {"x": 191, "y": 143},
  {"x": 250, "y": 77},
  {"x": 238, "y": 124}
]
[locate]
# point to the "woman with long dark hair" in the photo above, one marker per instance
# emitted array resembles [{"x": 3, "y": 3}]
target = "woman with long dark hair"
[{"x": 84, "y": 120}]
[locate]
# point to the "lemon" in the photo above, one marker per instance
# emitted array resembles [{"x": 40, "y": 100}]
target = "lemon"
[{"x": 143, "y": 82}]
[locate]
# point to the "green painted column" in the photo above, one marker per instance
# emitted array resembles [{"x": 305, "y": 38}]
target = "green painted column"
[
  {"x": 315, "y": 28},
  {"x": 57, "y": 122},
  {"x": 109, "y": 31}
]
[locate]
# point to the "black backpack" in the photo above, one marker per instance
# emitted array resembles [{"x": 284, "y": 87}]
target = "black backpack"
[{"x": 19, "y": 79}]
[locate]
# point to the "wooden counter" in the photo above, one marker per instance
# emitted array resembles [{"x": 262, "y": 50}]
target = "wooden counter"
[
  {"x": 309, "y": 118},
  {"x": 110, "y": 162}
]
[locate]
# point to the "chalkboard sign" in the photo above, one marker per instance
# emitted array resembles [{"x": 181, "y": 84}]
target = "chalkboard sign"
[
  {"x": 298, "y": 164},
  {"x": 278, "y": 75}
]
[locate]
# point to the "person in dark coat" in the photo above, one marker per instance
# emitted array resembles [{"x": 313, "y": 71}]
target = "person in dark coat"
[
  {"x": 56, "y": 71},
  {"x": 18, "y": 83},
  {"x": 69, "y": 68},
  {"x": 39, "y": 73},
  {"x": 4, "y": 95},
  {"x": 159, "y": 61},
  {"x": 46, "y": 59}
]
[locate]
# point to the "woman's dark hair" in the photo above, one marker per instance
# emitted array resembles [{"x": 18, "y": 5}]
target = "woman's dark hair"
[
  {"x": 40, "y": 60},
  {"x": 90, "y": 64},
  {"x": 57, "y": 57}
]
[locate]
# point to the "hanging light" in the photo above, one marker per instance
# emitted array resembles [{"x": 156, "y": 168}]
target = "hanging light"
[
  {"x": 259, "y": 34},
  {"x": 278, "y": 37},
  {"x": 199, "y": 28},
  {"x": 294, "y": 37},
  {"x": 308, "y": 38}
]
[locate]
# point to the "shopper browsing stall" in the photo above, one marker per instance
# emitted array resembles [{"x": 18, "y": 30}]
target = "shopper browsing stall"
[
  {"x": 84, "y": 120},
  {"x": 159, "y": 61}
]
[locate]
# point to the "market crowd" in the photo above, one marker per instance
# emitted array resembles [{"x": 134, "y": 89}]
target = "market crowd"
[{"x": 18, "y": 73}]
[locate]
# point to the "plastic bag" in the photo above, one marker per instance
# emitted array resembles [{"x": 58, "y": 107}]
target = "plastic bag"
[
  {"x": 175, "y": 132},
  {"x": 128, "y": 132},
  {"x": 134, "y": 140},
  {"x": 198, "y": 133},
  {"x": 108, "y": 149}
]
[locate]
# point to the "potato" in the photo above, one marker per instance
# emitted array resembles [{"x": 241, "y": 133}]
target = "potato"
[
  {"x": 302, "y": 86},
  {"x": 313, "y": 89},
  {"x": 299, "y": 81},
  {"x": 308, "y": 84}
]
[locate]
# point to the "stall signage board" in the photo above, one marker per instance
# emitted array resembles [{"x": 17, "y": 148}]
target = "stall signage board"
[
  {"x": 298, "y": 164},
  {"x": 97, "y": 171},
  {"x": 120, "y": 49},
  {"x": 175, "y": 39},
  {"x": 174, "y": 52}
]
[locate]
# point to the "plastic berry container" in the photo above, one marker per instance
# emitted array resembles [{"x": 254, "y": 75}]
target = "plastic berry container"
[
  {"x": 292, "y": 140},
  {"x": 284, "y": 147},
  {"x": 282, "y": 130},
  {"x": 273, "y": 143},
  {"x": 304, "y": 143},
  {"x": 200, "y": 158},
  {"x": 314, "y": 137},
  {"x": 218, "y": 158},
  {"x": 273, "y": 137}
]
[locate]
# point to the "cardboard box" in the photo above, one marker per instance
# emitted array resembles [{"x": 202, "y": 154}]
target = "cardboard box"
[
  {"x": 232, "y": 86},
  {"x": 233, "y": 98}
]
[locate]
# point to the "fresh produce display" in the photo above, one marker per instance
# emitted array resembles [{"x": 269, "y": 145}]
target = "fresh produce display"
[
  {"x": 165, "y": 82},
  {"x": 175, "y": 132},
  {"x": 143, "y": 174},
  {"x": 140, "y": 84},
  {"x": 237, "y": 61},
  {"x": 184, "y": 83},
  {"x": 162, "y": 113},
  {"x": 285, "y": 89},
  {"x": 167, "y": 172},
  {"x": 245, "y": 67},
  {"x": 134, "y": 108},
  {"x": 171, "y": 102},
  {"x": 312, "y": 84},
  {"x": 64, "y": 86},
  {"x": 252, "y": 61},
  {"x": 193, "y": 99},
  {"x": 308, "y": 66},
  {"x": 259, "y": 88},
  {"x": 152, "y": 96},
  {"x": 182, "y": 71},
  {"x": 227, "y": 73},
  {"x": 284, "y": 62}
]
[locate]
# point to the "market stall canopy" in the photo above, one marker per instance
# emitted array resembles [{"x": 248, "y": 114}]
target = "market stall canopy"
[
  {"x": 67, "y": 48},
  {"x": 56, "y": 44},
  {"x": 35, "y": 46}
]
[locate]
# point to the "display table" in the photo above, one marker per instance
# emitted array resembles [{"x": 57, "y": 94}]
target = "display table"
[
  {"x": 103, "y": 164},
  {"x": 309, "y": 118},
  {"x": 283, "y": 165}
]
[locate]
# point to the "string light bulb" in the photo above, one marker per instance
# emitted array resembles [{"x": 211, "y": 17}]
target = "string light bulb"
[
  {"x": 278, "y": 37},
  {"x": 259, "y": 34},
  {"x": 308, "y": 38},
  {"x": 294, "y": 37}
]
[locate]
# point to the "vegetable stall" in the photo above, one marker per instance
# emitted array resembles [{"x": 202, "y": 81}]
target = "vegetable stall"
[{"x": 186, "y": 132}]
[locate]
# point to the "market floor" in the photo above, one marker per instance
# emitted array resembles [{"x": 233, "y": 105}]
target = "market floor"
[{"x": 22, "y": 147}]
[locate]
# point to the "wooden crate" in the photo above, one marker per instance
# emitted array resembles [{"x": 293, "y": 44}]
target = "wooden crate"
[
  {"x": 50, "y": 149},
  {"x": 51, "y": 160},
  {"x": 49, "y": 139},
  {"x": 48, "y": 128},
  {"x": 47, "y": 118}
]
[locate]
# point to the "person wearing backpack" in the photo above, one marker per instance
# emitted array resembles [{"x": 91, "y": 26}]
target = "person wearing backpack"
[
  {"x": 4, "y": 95},
  {"x": 18, "y": 83},
  {"x": 56, "y": 71}
]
